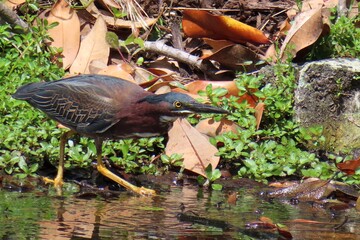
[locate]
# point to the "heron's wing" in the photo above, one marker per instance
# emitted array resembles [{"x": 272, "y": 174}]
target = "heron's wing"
[{"x": 82, "y": 104}]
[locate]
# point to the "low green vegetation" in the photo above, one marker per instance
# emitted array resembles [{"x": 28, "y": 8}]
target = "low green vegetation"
[
  {"x": 276, "y": 149},
  {"x": 23, "y": 59},
  {"x": 342, "y": 41}
]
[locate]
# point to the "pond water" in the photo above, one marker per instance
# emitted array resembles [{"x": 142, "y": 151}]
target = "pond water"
[{"x": 184, "y": 212}]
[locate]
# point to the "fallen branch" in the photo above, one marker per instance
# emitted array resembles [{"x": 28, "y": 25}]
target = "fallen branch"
[
  {"x": 161, "y": 48},
  {"x": 9, "y": 16}
]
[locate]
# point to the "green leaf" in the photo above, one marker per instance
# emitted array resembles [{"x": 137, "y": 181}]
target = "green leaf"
[
  {"x": 208, "y": 171},
  {"x": 22, "y": 164},
  {"x": 34, "y": 167},
  {"x": 201, "y": 180},
  {"x": 117, "y": 13},
  {"x": 216, "y": 174},
  {"x": 112, "y": 39},
  {"x": 216, "y": 187}
]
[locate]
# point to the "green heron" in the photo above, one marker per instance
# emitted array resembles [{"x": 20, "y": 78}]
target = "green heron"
[{"x": 103, "y": 107}]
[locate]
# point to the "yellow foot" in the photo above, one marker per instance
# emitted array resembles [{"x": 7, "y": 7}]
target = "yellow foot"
[
  {"x": 145, "y": 191},
  {"x": 56, "y": 182}
]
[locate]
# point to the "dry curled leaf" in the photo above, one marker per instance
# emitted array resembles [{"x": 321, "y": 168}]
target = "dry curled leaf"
[
  {"x": 198, "y": 24},
  {"x": 195, "y": 86},
  {"x": 259, "y": 110},
  {"x": 215, "y": 45},
  {"x": 236, "y": 57},
  {"x": 307, "y": 28}
]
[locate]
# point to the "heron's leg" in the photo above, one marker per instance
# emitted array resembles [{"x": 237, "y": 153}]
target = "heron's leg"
[
  {"x": 58, "y": 180},
  {"x": 107, "y": 173}
]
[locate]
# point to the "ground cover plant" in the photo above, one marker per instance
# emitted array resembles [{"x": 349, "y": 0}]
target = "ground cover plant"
[{"x": 275, "y": 149}]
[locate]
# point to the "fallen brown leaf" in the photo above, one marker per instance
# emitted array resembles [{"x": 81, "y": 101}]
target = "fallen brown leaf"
[
  {"x": 282, "y": 184},
  {"x": 142, "y": 75},
  {"x": 266, "y": 220},
  {"x": 197, "y": 151},
  {"x": 259, "y": 110},
  {"x": 349, "y": 167},
  {"x": 198, "y": 24},
  {"x": 195, "y": 86},
  {"x": 66, "y": 18},
  {"x": 307, "y": 191},
  {"x": 307, "y": 28},
  {"x": 215, "y": 45},
  {"x": 164, "y": 73},
  {"x": 117, "y": 22},
  {"x": 13, "y": 3},
  {"x": 267, "y": 224},
  {"x": 93, "y": 47},
  {"x": 232, "y": 198},
  {"x": 313, "y": 4},
  {"x": 236, "y": 57},
  {"x": 109, "y": 3},
  {"x": 211, "y": 128},
  {"x": 122, "y": 70},
  {"x": 163, "y": 89}
]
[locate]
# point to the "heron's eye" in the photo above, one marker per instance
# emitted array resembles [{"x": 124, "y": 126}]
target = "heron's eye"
[{"x": 177, "y": 104}]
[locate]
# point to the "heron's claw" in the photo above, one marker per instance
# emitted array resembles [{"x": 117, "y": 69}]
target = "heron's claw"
[
  {"x": 146, "y": 191},
  {"x": 57, "y": 182}
]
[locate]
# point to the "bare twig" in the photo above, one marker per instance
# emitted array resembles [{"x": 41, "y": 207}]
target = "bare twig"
[
  {"x": 161, "y": 48},
  {"x": 10, "y": 17},
  {"x": 343, "y": 7}
]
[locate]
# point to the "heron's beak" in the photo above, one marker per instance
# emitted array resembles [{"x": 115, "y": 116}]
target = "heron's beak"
[{"x": 195, "y": 107}]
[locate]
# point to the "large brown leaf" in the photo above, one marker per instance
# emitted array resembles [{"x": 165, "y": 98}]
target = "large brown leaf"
[
  {"x": 197, "y": 152},
  {"x": 13, "y": 3},
  {"x": 93, "y": 48},
  {"x": 313, "y": 4},
  {"x": 259, "y": 110},
  {"x": 307, "y": 191},
  {"x": 236, "y": 57},
  {"x": 349, "y": 167},
  {"x": 121, "y": 70},
  {"x": 67, "y": 19},
  {"x": 307, "y": 28},
  {"x": 198, "y": 24},
  {"x": 117, "y": 22},
  {"x": 195, "y": 86},
  {"x": 211, "y": 128}
]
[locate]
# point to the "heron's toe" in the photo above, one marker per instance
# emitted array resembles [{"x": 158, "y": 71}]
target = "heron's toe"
[
  {"x": 57, "y": 182},
  {"x": 146, "y": 191}
]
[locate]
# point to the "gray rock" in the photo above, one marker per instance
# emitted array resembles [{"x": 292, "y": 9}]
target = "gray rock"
[{"x": 328, "y": 94}]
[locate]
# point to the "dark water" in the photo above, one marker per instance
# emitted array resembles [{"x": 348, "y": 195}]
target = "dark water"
[{"x": 36, "y": 215}]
